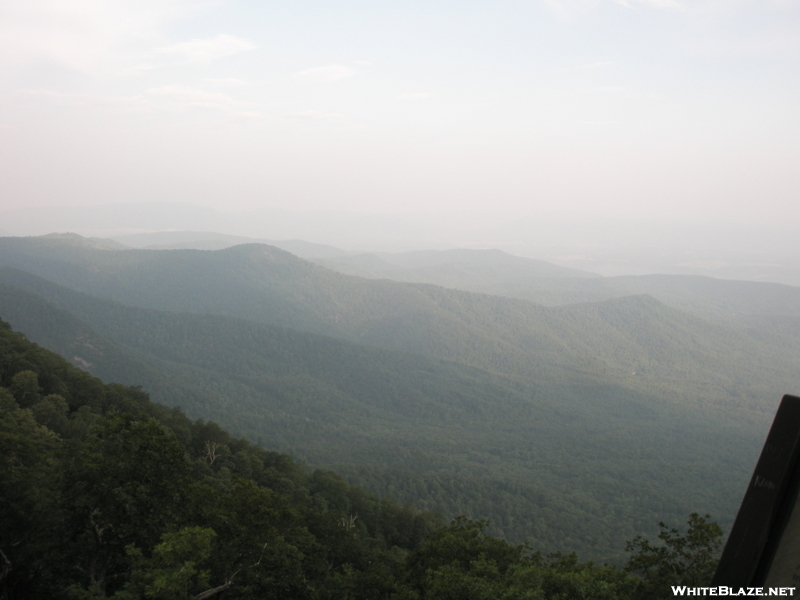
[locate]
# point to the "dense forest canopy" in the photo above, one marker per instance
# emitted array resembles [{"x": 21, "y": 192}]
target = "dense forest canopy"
[
  {"x": 570, "y": 427},
  {"x": 109, "y": 495}
]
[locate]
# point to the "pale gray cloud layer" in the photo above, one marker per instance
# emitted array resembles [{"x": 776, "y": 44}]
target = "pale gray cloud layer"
[
  {"x": 219, "y": 46},
  {"x": 326, "y": 74},
  {"x": 661, "y": 109}
]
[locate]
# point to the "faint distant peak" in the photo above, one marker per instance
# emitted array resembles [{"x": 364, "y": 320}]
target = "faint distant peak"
[
  {"x": 78, "y": 240},
  {"x": 213, "y": 240},
  {"x": 488, "y": 257},
  {"x": 261, "y": 250}
]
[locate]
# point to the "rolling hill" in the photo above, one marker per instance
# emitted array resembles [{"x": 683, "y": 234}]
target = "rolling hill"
[
  {"x": 499, "y": 273},
  {"x": 573, "y": 426}
]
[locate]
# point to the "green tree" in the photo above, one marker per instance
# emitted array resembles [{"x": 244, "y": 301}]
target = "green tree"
[
  {"x": 564, "y": 578},
  {"x": 261, "y": 546},
  {"x": 453, "y": 557},
  {"x": 51, "y": 411},
  {"x": 688, "y": 559},
  {"x": 127, "y": 486},
  {"x": 484, "y": 581},
  {"x": 174, "y": 570},
  {"x": 29, "y": 498},
  {"x": 25, "y": 387}
]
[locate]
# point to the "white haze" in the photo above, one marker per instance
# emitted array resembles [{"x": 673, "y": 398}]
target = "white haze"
[{"x": 634, "y": 136}]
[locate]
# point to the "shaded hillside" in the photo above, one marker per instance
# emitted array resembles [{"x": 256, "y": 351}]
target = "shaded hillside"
[
  {"x": 252, "y": 281},
  {"x": 722, "y": 298},
  {"x": 622, "y": 410},
  {"x": 484, "y": 271},
  {"x": 279, "y": 377},
  {"x": 497, "y": 273},
  {"x": 567, "y": 462},
  {"x": 110, "y": 495},
  {"x": 636, "y": 343}
]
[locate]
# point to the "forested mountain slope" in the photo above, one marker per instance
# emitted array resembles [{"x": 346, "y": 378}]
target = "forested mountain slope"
[
  {"x": 636, "y": 342},
  {"x": 497, "y": 273},
  {"x": 566, "y": 464},
  {"x": 576, "y": 426},
  {"x": 108, "y": 495},
  {"x": 105, "y": 494}
]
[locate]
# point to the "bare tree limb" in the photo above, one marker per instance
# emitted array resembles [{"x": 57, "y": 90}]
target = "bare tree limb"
[
  {"x": 6, "y": 565},
  {"x": 213, "y": 591},
  {"x": 221, "y": 588},
  {"x": 211, "y": 451}
]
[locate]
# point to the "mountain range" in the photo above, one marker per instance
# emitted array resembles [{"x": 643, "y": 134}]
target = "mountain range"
[
  {"x": 500, "y": 273},
  {"x": 573, "y": 426}
]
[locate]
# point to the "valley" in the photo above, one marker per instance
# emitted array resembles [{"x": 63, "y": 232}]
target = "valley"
[{"x": 574, "y": 427}]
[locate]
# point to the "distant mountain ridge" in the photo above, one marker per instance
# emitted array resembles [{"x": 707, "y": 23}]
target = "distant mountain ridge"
[
  {"x": 406, "y": 425},
  {"x": 268, "y": 285},
  {"x": 209, "y": 240},
  {"x": 611, "y": 246},
  {"x": 499, "y": 273},
  {"x": 616, "y": 410}
]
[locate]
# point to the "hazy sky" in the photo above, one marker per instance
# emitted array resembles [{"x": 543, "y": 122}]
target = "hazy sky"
[{"x": 675, "y": 109}]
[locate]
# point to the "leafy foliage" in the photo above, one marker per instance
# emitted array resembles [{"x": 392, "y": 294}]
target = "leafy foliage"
[
  {"x": 688, "y": 559},
  {"x": 501, "y": 409},
  {"x": 132, "y": 500},
  {"x": 171, "y": 572}
]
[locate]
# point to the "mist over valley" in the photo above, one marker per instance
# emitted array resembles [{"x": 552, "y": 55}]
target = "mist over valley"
[
  {"x": 390, "y": 301},
  {"x": 574, "y": 411}
]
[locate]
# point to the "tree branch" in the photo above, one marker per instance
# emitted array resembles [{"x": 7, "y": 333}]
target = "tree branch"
[
  {"x": 213, "y": 591},
  {"x": 229, "y": 583},
  {"x": 6, "y": 565}
]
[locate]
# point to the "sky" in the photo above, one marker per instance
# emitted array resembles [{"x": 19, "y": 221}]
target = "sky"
[{"x": 660, "y": 110}]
